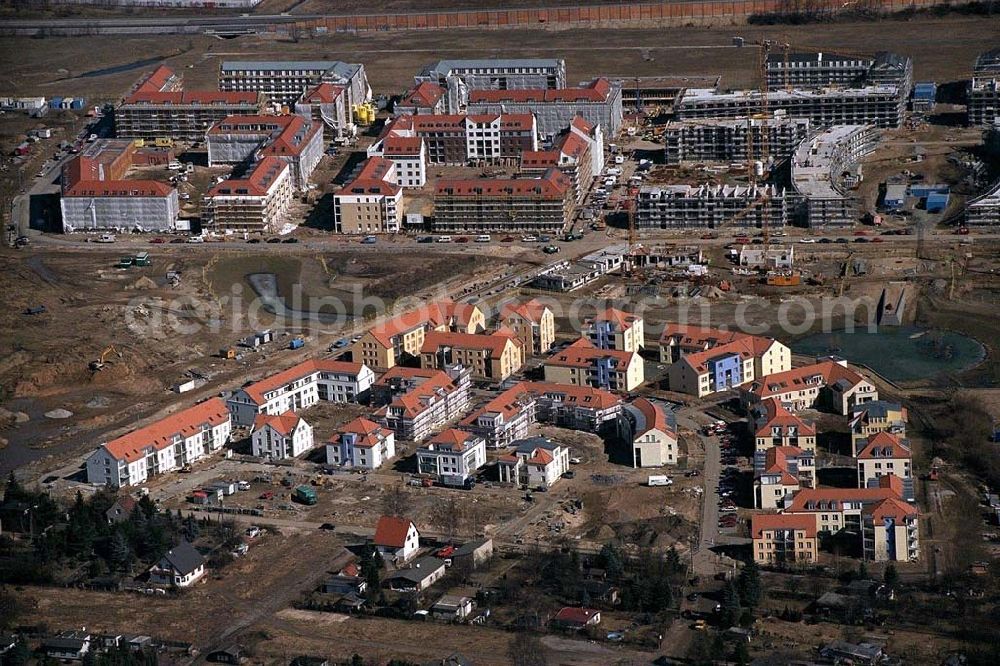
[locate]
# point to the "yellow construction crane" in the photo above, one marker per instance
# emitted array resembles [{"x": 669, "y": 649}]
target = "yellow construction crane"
[{"x": 103, "y": 359}]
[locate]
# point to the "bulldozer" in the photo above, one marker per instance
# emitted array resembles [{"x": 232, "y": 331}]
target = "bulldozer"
[{"x": 99, "y": 363}]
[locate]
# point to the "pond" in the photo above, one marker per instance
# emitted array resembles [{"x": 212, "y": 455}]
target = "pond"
[{"x": 902, "y": 354}]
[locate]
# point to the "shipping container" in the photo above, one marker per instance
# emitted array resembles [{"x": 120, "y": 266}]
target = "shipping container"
[{"x": 305, "y": 495}]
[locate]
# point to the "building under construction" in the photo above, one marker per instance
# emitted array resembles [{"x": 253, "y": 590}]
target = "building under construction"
[
  {"x": 824, "y": 167},
  {"x": 159, "y": 107},
  {"x": 883, "y": 106},
  {"x": 711, "y": 206},
  {"x": 458, "y": 77},
  {"x": 285, "y": 81},
  {"x": 727, "y": 139},
  {"x": 821, "y": 70},
  {"x": 983, "y": 92},
  {"x": 533, "y": 205}
]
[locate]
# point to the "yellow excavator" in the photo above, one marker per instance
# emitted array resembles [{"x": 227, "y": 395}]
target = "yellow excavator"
[{"x": 99, "y": 364}]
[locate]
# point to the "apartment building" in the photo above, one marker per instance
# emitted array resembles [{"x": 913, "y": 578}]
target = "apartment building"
[
  {"x": 711, "y": 206},
  {"x": 615, "y": 329},
  {"x": 836, "y": 509},
  {"x": 96, "y": 194},
  {"x": 727, "y": 139},
  {"x": 886, "y": 454},
  {"x": 294, "y": 139},
  {"x": 599, "y": 103},
  {"x": 728, "y": 366},
  {"x": 827, "y": 383},
  {"x": 299, "y": 388},
  {"x": 879, "y": 105},
  {"x": 983, "y": 92},
  {"x": 159, "y": 107},
  {"x": 371, "y": 202},
  {"x": 536, "y": 462},
  {"x": 284, "y": 81},
  {"x": 784, "y": 539},
  {"x": 452, "y": 457},
  {"x": 280, "y": 436},
  {"x": 146, "y": 205},
  {"x": 532, "y": 322},
  {"x": 162, "y": 446},
  {"x": 773, "y": 425},
  {"x": 583, "y": 364},
  {"x": 408, "y": 153},
  {"x": 984, "y": 210},
  {"x": 504, "y": 418},
  {"x": 677, "y": 340},
  {"x": 256, "y": 202},
  {"x": 459, "y": 139},
  {"x": 459, "y": 77},
  {"x": 491, "y": 358},
  {"x": 823, "y": 70},
  {"x": 824, "y": 169},
  {"x": 361, "y": 444},
  {"x": 423, "y": 99},
  {"x": 326, "y": 103},
  {"x": 890, "y": 531},
  {"x": 874, "y": 417},
  {"x": 482, "y": 205},
  {"x": 779, "y": 472},
  {"x": 386, "y": 344},
  {"x": 650, "y": 432},
  {"x": 578, "y": 152},
  {"x": 422, "y": 401}
]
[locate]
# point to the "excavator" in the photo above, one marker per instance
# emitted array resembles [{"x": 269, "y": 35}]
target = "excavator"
[{"x": 99, "y": 364}]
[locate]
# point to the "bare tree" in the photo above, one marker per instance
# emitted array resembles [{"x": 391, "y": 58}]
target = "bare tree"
[{"x": 395, "y": 501}]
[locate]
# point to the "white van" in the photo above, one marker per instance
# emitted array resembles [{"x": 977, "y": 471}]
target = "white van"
[
  {"x": 443, "y": 239},
  {"x": 483, "y": 238},
  {"x": 659, "y": 480},
  {"x": 175, "y": 165}
]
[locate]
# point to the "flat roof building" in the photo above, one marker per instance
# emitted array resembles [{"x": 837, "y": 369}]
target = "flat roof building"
[
  {"x": 459, "y": 77},
  {"x": 727, "y": 139},
  {"x": 543, "y": 204},
  {"x": 824, "y": 166},
  {"x": 294, "y": 139},
  {"x": 711, "y": 206},
  {"x": 599, "y": 103},
  {"x": 371, "y": 202},
  {"x": 285, "y": 81},
  {"x": 256, "y": 202}
]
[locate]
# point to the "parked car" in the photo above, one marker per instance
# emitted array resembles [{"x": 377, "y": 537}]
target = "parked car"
[
  {"x": 157, "y": 241},
  {"x": 273, "y": 240},
  {"x": 290, "y": 240},
  {"x": 369, "y": 240}
]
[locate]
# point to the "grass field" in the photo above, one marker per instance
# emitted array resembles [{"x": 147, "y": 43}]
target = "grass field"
[{"x": 942, "y": 49}]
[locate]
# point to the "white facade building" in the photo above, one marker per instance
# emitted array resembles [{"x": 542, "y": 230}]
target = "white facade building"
[
  {"x": 119, "y": 204},
  {"x": 281, "y": 436},
  {"x": 452, "y": 456},
  {"x": 535, "y": 462},
  {"x": 300, "y": 387},
  {"x": 166, "y": 445},
  {"x": 361, "y": 444}
]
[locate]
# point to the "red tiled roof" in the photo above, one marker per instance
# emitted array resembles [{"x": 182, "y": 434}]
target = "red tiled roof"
[
  {"x": 697, "y": 337},
  {"x": 653, "y": 415},
  {"x": 395, "y": 144},
  {"x": 578, "y": 396},
  {"x": 537, "y": 159},
  {"x": 160, "y": 434},
  {"x": 580, "y": 616},
  {"x": 256, "y": 183},
  {"x": 194, "y": 98},
  {"x": 530, "y": 311},
  {"x": 777, "y": 415},
  {"x": 283, "y": 424},
  {"x": 744, "y": 347},
  {"x": 580, "y": 123},
  {"x": 892, "y": 483},
  {"x": 884, "y": 445},
  {"x": 597, "y": 91},
  {"x": 372, "y": 179},
  {"x": 287, "y": 134},
  {"x": 424, "y": 95},
  {"x": 415, "y": 401},
  {"x": 391, "y": 531},
  {"x": 453, "y": 439},
  {"x": 622, "y": 320},
  {"x": 824, "y": 372},
  {"x": 495, "y": 343},
  {"x": 118, "y": 188},
  {"x": 257, "y": 390},
  {"x": 839, "y": 495},
  {"x": 783, "y": 521},
  {"x": 430, "y": 315},
  {"x": 369, "y": 433},
  {"x": 582, "y": 354},
  {"x": 540, "y": 457},
  {"x": 552, "y": 185},
  {"x": 507, "y": 404},
  {"x": 157, "y": 80},
  {"x": 890, "y": 507},
  {"x": 324, "y": 93}
]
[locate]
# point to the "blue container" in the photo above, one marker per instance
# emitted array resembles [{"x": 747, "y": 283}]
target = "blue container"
[
  {"x": 77, "y": 103},
  {"x": 937, "y": 202},
  {"x": 55, "y": 102}
]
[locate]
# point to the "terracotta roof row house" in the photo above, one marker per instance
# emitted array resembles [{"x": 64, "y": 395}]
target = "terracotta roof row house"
[
  {"x": 162, "y": 446},
  {"x": 371, "y": 202},
  {"x": 295, "y": 139},
  {"x": 599, "y": 103},
  {"x": 583, "y": 364},
  {"x": 886, "y": 454},
  {"x": 774, "y": 425},
  {"x": 728, "y": 365},
  {"x": 280, "y": 436},
  {"x": 784, "y": 538},
  {"x": 535, "y": 462},
  {"x": 779, "y": 472},
  {"x": 532, "y": 321},
  {"x": 420, "y": 401},
  {"x": 829, "y": 383},
  {"x": 493, "y": 357},
  {"x": 361, "y": 444},
  {"x": 614, "y": 329},
  {"x": 300, "y": 387},
  {"x": 649, "y": 429},
  {"x": 452, "y": 457}
]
